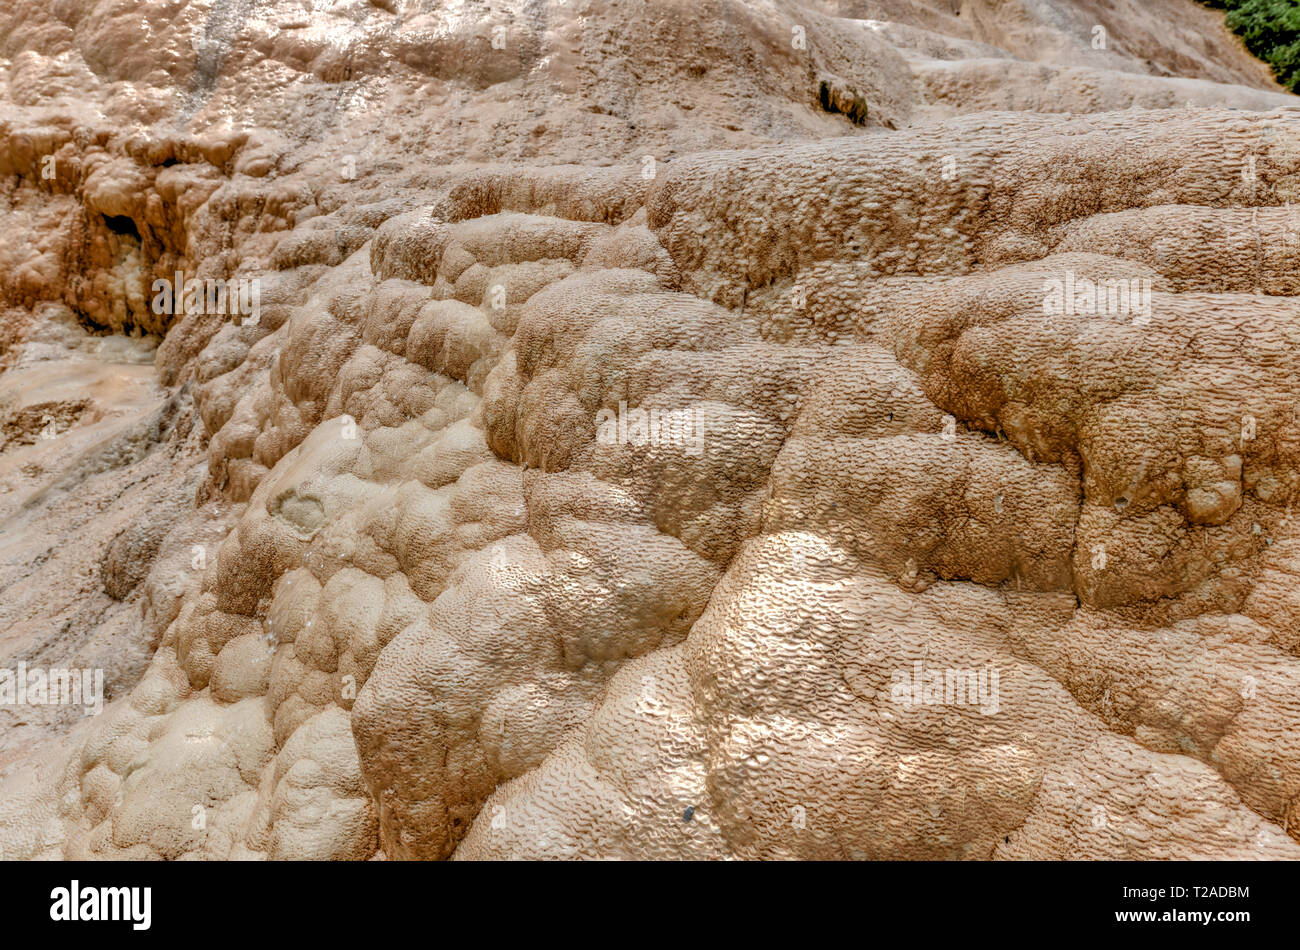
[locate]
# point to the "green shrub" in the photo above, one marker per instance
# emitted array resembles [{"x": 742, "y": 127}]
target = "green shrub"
[{"x": 1271, "y": 31}]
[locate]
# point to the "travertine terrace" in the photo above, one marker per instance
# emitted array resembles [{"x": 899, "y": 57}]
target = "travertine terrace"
[{"x": 968, "y": 334}]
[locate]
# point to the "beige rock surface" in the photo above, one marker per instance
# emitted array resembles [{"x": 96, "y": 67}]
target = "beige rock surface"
[{"x": 390, "y": 567}]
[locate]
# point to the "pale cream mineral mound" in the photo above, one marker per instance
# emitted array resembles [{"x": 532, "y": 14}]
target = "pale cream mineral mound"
[{"x": 671, "y": 429}]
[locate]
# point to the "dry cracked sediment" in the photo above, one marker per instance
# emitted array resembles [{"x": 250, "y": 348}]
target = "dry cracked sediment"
[{"x": 388, "y": 569}]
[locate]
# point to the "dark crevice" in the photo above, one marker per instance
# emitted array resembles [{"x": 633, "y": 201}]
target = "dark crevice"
[
  {"x": 121, "y": 224},
  {"x": 842, "y": 102}
]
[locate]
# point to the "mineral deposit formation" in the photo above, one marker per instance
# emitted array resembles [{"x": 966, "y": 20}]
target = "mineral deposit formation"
[{"x": 665, "y": 429}]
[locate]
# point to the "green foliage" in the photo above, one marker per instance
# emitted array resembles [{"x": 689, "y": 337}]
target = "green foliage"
[{"x": 1271, "y": 31}]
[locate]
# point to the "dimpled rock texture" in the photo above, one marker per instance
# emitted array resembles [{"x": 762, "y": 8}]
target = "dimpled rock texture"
[{"x": 376, "y": 576}]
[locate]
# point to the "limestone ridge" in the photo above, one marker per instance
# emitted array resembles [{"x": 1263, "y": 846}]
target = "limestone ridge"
[{"x": 763, "y": 430}]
